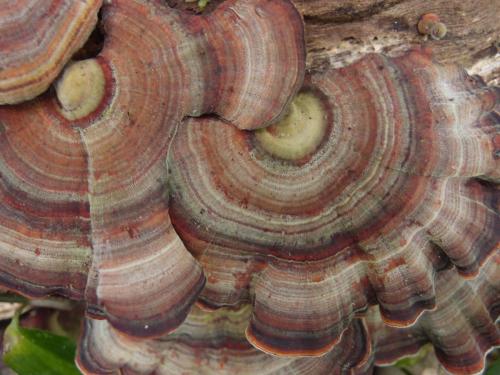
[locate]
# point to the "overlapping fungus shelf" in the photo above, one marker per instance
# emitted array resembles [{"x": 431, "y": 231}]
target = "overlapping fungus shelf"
[
  {"x": 83, "y": 199},
  {"x": 214, "y": 342},
  {"x": 462, "y": 329},
  {"x": 375, "y": 184},
  {"x": 381, "y": 174},
  {"x": 38, "y": 37}
]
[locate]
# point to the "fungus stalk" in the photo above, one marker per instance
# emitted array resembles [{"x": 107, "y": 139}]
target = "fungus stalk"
[
  {"x": 81, "y": 89},
  {"x": 299, "y": 133}
]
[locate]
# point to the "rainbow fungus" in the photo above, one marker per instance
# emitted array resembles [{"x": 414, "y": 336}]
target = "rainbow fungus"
[{"x": 217, "y": 207}]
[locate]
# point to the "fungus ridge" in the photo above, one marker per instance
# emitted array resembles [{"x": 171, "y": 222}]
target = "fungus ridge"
[
  {"x": 461, "y": 346},
  {"x": 396, "y": 192},
  {"x": 38, "y": 38},
  {"x": 85, "y": 206},
  {"x": 214, "y": 341}
]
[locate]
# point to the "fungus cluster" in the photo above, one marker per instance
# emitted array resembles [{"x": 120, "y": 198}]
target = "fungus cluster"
[
  {"x": 431, "y": 25},
  {"x": 216, "y": 208},
  {"x": 215, "y": 341},
  {"x": 85, "y": 211}
]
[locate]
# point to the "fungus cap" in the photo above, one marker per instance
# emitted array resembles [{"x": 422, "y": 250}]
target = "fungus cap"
[
  {"x": 213, "y": 342},
  {"x": 462, "y": 328},
  {"x": 431, "y": 25},
  {"x": 38, "y": 38},
  {"x": 401, "y": 186},
  {"x": 84, "y": 209}
]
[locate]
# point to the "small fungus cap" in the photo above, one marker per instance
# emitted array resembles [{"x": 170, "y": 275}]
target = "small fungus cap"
[{"x": 430, "y": 25}]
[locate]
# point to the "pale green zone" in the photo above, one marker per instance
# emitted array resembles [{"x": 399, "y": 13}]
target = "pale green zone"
[{"x": 201, "y": 3}]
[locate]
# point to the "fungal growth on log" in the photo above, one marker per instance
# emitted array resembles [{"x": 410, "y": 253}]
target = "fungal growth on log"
[
  {"x": 221, "y": 210},
  {"x": 84, "y": 208},
  {"x": 216, "y": 343},
  {"x": 367, "y": 209},
  {"x": 462, "y": 327},
  {"x": 216, "y": 340}
]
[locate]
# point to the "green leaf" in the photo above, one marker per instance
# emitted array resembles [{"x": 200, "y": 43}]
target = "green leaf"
[
  {"x": 407, "y": 363},
  {"x": 494, "y": 368},
  {"x": 37, "y": 352},
  {"x": 12, "y": 298}
]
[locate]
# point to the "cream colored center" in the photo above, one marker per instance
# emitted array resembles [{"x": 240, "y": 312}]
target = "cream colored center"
[
  {"x": 299, "y": 133},
  {"x": 81, "y": 88}
]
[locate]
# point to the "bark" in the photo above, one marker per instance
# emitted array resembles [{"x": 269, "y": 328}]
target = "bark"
[{"x": 339, "y": 32}]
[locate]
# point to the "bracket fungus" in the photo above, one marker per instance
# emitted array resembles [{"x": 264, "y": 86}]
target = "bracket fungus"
[
  {"x": 214, "y": 342},
  {"x": 37, "y": 38},
  {"x": 398, "y": 189},
  {"x": 322, "y": 222},
  {"x": 462, "y": 328},
  {"x": 84, "y": 210}
]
